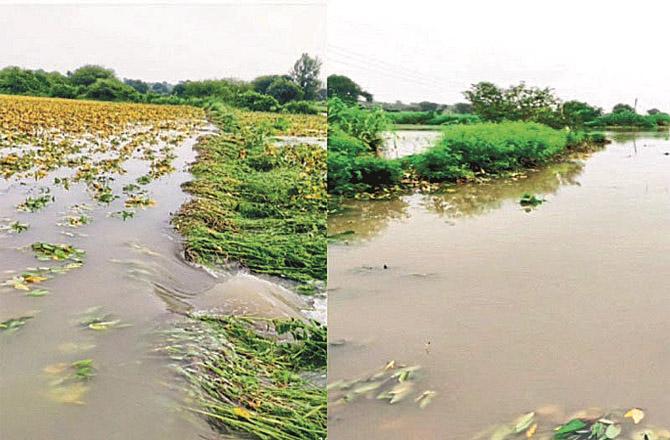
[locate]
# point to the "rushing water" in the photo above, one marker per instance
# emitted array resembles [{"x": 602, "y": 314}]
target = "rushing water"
[
  {"x": 135, "y": 272},
  {"x": 504, "y": 310}
]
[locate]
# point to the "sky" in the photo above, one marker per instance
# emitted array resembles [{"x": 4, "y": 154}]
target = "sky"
[
  {"x": 603, "y": 52},
  {"x": 164, "y": 42}
]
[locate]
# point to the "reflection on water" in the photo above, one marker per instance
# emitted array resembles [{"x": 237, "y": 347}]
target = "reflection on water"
[
  {"x": 402, "y": 143},
  {"x": 506, "y": 311}
]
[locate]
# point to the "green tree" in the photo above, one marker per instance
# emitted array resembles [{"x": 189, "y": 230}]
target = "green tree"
[
  {"x": 463, "y": 107},
  {"x": 426, "y": 106},
  {"x": 137, "y": 84},
  {"x": 577, "y": 113},
  {"x": 106, "y": 89},
  {"x": 340, "y": 86},
  {"x": 305, "y": 73},
  {"x": 284, "y": 90},
  {"x": 87, "y": 75},
  {"x": 515, "y": 103},
  {"x": 653, "y": 111},
  {"x": 262, "y": 83},
  {"x": 623, "y": 108}
]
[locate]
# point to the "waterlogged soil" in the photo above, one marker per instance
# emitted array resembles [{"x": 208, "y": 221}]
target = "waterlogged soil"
[
  {"x": 499, "y": 309},
  {"x": 132, "y": 286}
]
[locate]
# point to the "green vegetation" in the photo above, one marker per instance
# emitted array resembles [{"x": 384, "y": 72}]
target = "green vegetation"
[
  {"x": 344, "y": 88},
  {"x": 354, "y": 146},
  {"x": 431, "y": 118},
  {"x": 625, "y": 116},
  {"x": 493, "y": 148},
  {"x": 464, "y": 151},
  {"x": 256, "y": 203},
  {"x": 273, "y": 93},
  {"x": 247, "y": 375}
]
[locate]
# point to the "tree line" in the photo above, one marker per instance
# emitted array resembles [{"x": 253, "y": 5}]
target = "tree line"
[
  {"x": 492, "y": 103},
  {"x": 296, "y": 91}
]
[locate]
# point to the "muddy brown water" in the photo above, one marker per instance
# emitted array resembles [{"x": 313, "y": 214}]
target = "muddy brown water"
[
  {"x": 505, "y": 310},
  {"x": 133, "y": 270}
]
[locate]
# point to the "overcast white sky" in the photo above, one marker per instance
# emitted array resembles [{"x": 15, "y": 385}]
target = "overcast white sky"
[
  {"x": 600, "y": 51},
  {"x": 165, "y": 42}
]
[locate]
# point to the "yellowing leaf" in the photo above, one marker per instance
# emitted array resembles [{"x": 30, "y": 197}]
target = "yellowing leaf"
[
  {"x": 636, "y": 414},
  {"x": 531, "y": 431},
  {"x": 241, "y": 412}
]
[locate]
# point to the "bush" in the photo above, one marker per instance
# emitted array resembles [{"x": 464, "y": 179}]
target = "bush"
[
  {"x": 285, "y": 90},
  {"x": 349, "y": 174},
  {"x": 365, "y": 125},
  {"x": 63, "y": 91},
  {"x": 489, "y": 147},
  {"x": 624, "y": 118},
  {"x": 111, "y": 90},
  {"x": 303, "y": 107},
  {"x": 257, "y": 102},
  {"x": 659, "y": 118},
  {"x": 342, "y": 142}
]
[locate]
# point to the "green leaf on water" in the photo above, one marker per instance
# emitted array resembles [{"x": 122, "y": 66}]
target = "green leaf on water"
[
  {"x": 38, "y": 292},
  {"x": 613, "y": 431},
  {"x": 564, "y": 431}
]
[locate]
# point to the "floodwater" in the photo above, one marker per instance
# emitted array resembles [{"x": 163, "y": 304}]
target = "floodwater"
[
  {"x": 506, "y": 311},
  {"x": 401, "y": 143},
  {"x": 134, "y": 273}
]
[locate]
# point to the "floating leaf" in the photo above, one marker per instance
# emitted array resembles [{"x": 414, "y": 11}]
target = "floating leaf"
[
  {"x": 524, "y": 422},
  {"x": 531, "y": 431},
  {"x": 569, "y": 428},
  {"x": 636, "y": 414},
  {"x": 425, "y": 398},
  {"x": 38, "y": 292},
  {"x": 613, "y": 431}
]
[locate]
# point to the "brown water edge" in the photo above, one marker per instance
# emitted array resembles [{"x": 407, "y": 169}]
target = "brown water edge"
[
  {"x": 508, "y": 311},
  {"x": 133, "y": 270}
]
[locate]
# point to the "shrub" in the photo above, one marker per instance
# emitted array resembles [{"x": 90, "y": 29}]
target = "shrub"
[
  {"x": 366, "y": 125},
  {"x": 489, "y": 147},
  {"x": 257, "y": 102},
  {"x": 303, "y": 107},
  {"x": 348, "y": 174},
  {"x": 111, "y": 90},
  {"x": 624, "y": 118},
  {"x": 285, "y": 90},
  {"x": 342, "y": 142}
]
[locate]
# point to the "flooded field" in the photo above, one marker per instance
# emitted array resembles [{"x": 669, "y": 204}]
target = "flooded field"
[
  {"x": 499, "y": 311},
  {"x": 91, "y": 274}
]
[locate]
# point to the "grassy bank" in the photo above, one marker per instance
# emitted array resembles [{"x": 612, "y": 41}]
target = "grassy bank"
[
  {"x": 465, "y": 151},
  {"x": 247, "y": 375},
  {"x": 256, "y": 203},
  {"x": 493, "y": 148}
]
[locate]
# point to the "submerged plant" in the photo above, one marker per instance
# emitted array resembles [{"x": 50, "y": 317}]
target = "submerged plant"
[
  {"x": 33, "y": 204},
  {"x": 50, "y": 251},
  {"x": 530, "y": 200},
  {"x": 13, "y": 324},
  {"x": 246, "y": 379}
]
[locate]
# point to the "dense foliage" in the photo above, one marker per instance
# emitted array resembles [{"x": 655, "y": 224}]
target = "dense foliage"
[
  {"x": 466, "y": 150},
  {"x": 344, "y": 88},
  {"x": 354, "y": 147},
  {"x": 265, "y": 93},
  {"x": 431, "y": 118}
]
